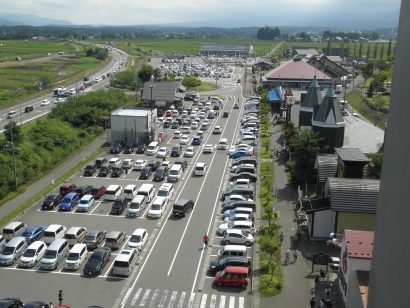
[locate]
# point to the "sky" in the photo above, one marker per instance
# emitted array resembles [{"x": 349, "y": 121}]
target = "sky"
[{"x": 230, "y": 12}]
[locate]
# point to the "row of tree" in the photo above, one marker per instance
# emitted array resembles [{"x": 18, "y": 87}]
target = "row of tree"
[
  {"x": 267, "y": 33},
  {"x": 97, "y": 52},
  {"x": 327, "y": 34}
]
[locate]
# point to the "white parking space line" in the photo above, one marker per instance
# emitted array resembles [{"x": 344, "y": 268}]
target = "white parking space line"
[
  {"x": 172, "y": 299},
  {"x": 163, "y": 299},
  {"x": 191, "y": 300},
  {"x": 212, "y": 304},
  {"x": 154, "y": 298},
  {"x": 203, "y": 300},
  {"x": 222, "y": 301},
  {"x": 241, "y": 302},
  {"x": 135, "y": 298},
  {"x": 181, "y": 300},
  {"x": 231, "y": 301}
]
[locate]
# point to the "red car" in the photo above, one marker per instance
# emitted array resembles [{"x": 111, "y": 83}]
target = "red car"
[
  {"x": 67, "y": 188},
  {"x": 233, "y": 276},
  {"x": 98, "y": 191}
]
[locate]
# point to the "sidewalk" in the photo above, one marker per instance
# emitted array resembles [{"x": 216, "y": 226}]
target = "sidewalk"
[
  {"x": 54, "y": 174},
  {"x": 298, "y": 281}
]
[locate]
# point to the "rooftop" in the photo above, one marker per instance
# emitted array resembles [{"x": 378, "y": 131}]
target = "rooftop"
[
  {"x": 359, "y": 244},
  {"x": 352, "y": 154},
  {"x": 306, "y": 51},
  {"x": 132, "y": 112},
  {"x": 313, "y": 97},
  {"x": 296, "y": 70}
]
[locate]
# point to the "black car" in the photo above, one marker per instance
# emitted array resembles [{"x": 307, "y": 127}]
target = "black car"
[
  {"x": 166, "y": 124},
  {"x": 225, "y": 114},
  {"x": 105, "y": 170},
  {"x": 83, "y": 190},
  {"x": 90, "y": 169},
  {"x": 28, "y": 109},
  {"x": 97, "y": 261},
  {"x": 160, "y": 174},
  {"x": 183, "y": 164},
  {"x": 154, "y": 164},
  {"x": 234, "y": 205},
  {"x": 176, "y": 150},
  {"x": 11, "y": 302},
  {"x": 94, "y": 238},
  {"x": 100, "y": 161},
  {"x": 160, "y": 113},
  {"x": 36, "y": 304},
  {"x": 245, "y": 175},
  {"x": 116, "y": 148},
  {"x": 245, "y": 160},
  {"x": 238, "y": 190},
  {"x": 220, "y": 264},
  {"x": 141, "y": 148},
  {"x": 174, "y": 124},
  {"x": 145, "y": 173},
  {"x": 116, "y": 172},
  {"x": 129, "y": 149},
  {"x": 119, "y": 205},
  {"x": 182, "y": 207},
  {"x": 51, "y": 201}
]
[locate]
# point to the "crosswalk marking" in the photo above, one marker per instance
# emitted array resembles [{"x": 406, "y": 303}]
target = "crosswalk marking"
[
  {"x": 159, "y": 298},
  {"x": 163, "y": 299},
  {"x": 145, "y": 297},
  {"x": 191, "y": 300},
  {"x": 212, "y": 304},
  {"x": 135, "y": 298},
  {"x": 203, "y": 300},
  {"x": 172, "y": 299},
  {"x": 181, "y": 300},
  {"x": 231, "y": 301},
  {"x": 154, "y": 298},
  {"x": 222, "y": 302}
]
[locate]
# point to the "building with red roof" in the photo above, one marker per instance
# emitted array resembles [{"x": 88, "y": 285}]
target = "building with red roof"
[{"x": 356, "y": 257}]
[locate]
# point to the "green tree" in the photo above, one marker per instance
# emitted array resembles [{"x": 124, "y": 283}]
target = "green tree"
[
  {"x": 368, "y": 52},
  {"x": 374, "y": 169},
  {"x": 375, "y": 52},
  {"x": 328, "y": 48},
  {"x": 382, "y": 52},
  {"x": 268, "y": 247},
  {"x": 290, "y": 132},
  {"x": 89, "y": 52},
  {"x": 124, "y": 80},
  {"x": 354, "y": 49},
  {"x": 370, "y": 91},
  {"x": 13, "y": 132},
  {"x": 145, "y": 73},
  {"x": 361, "y": 49},
  {"x": 342, "y": 50},
  {"x": 389, "y": 48},
  {"x": 367, "y": 70},
  {"x": 304, "y": 147},
  {"x": 157, "y": 74},
  {"x": 191, "y": 82}
]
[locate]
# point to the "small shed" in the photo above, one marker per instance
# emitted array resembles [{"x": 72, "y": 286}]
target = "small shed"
[{"x": 351, "y": 162}]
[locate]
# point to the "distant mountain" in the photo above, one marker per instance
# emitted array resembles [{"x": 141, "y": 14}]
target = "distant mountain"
[{"x": 14, "y": 19}]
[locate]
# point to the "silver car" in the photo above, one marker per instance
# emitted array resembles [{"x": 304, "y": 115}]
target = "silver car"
[{"x": 238, "y": 237}]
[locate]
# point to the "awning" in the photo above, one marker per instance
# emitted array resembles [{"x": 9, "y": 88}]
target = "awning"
[{"x": 314, "y": 205}]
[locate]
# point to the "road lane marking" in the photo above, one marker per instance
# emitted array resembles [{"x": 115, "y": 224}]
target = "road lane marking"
[
  {"x": 203, "y": 300},
  {"x": 145, "y": 297},
  {"x": 154, "y": 298},
  {"x": 212, "y": 304},
  {"x": 181, "y": 300},
  {"x": 191, "y": 300},
  {"x": 222, "y": 302},
  {"x": 231, "y": 302},
  {"x": 172, "y": 299},
  {"x": 135, "y": 298},
  {"x": 163, "y": 299},
  {"x": 241, "y": 302},
  {"x": 126, "y": 296}
]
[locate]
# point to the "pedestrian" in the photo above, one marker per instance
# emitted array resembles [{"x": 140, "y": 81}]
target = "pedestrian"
[
  {"x": 46, "y": 306},
  {"x": 312, "y": 302},
  {"x": 287, "y": 256},
  {"x": 327, "y": 291},
  {"x": 322, "y": 303},
  {"x": 281, "y": 237},
  {"x": 165, "y": 178},
  {"x": 322, "y": 275},
  {"x": 51, "y": 305},
  {"x": 295, "y": 255},
  {"x": 205, "y": 239},
  {"x": 60, "y": 297}
]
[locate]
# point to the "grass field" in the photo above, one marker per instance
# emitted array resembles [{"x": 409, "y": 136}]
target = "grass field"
[
  {"x": 188, "y": 46},
  {"x": 19, "y": 79}
]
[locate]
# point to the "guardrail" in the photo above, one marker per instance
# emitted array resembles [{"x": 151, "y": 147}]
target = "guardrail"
[{"x": 28, "y": 121}]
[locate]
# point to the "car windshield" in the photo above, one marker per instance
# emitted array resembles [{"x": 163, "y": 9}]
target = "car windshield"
[
  {"x": 90, "y": 238},
  {"x": 83, "y": 201},
  {"x": 50, "y": 198},
  {"x": 162, "y": 193},
  {"x": 27, "y": 233},
  {"x": 156, "y": 207},
  {"x": 8, "y": 251},
  {"x": 135, "y": 238},
  {"x": 95, "y": 257},
  {"x": 230, "y": 225},
  {"x": 72, "y": 256},
  {"x": 134, "y": 205},
  {"x": 50, "y": 254},
  {"x": 67, "y": 200},
  {"x": 30, "y": 253}
]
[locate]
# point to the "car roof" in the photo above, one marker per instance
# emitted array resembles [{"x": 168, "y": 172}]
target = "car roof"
[
  {"x": 139, "y": 231},
  {"x": 36, "y": 244},
  {"x": 93, "y": 232}
]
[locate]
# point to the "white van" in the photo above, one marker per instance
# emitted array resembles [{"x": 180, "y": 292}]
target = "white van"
[
  {"x": 223, "y": 144},
  {"x": 208, "y": 105},
  {"x": 175, "y": 173},
  {"x": 200, "y": 169},
  {"x": 124, "y": 263},
  {"x": 147, "y": 190},
  {"x": 13, "y": 250},
  {"x": 112, "y": 192},
  {"x": 76, "y": 256},
  {"x": 136, "y": 206},
  {"x": 130, "y": 191},
  {"x": 152, "y": 149},
  {"x": 232, "y": 250},
  {"x": 53, "y": 232},
  {"x": 166, "y": 190},
  {"x": 13, "y": 229},
  {"x": 54, "y": 254},
  {"x": 75, "y": 235}
]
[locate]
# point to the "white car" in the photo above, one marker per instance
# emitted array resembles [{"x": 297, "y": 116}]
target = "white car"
[
  {"x": 85, "y": 203},
  {"x": 217, "y": 130},
  {"x": 162, "y": 152},
  {"x": 139, "y": 164},
  {"x": 234, "y": 168},
  {"x": 177, "y": 134},
  {"x": 185, "y": 129},
  {"x": 246, "y": 147},
  {"x": 59, "y": 100},
  {"x": 233, "y": 198},
  {"x": 33, "y": 254},
  {"x": 208, "y": 148},
  {"x": 157, "y": 207},
  {"x": 239, "y": 216},
  {"x": 189, "y": 152},
  {"x": 127, "y": 163},
  {"x": 138, "y": 239},
  {"x": 184, "y": 139},
  {"x": 194, "y": 125},
  {"x": 232, "y": 149},
  {"x": 45, "y": 102}
]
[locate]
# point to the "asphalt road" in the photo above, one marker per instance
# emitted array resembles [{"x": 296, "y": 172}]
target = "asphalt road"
[
  {"x": 21, "y": 117},
  {"x": 172, "y": 269}
]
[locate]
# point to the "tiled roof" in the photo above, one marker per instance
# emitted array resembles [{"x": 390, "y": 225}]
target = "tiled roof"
[
  {"x": 353, "y": 195},
  {"x": 313, "y": 96},
  {"x": 326, "y": 166},
  {"x": 328, "y": 113},
  {"x": 351, "y": 154},
  {"x": 359, "y": 244},
  {"x": 363, "y": 281},
  {"x": 296, "y": 70}
]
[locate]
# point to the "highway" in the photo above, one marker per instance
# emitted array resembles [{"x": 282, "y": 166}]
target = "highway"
[{"x": 39, "y": 111}]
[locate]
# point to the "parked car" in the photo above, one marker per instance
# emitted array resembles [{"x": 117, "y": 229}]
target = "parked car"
[
  {"x": 220, "y": 264},
  {"x": 129, "y": 149},
  {"x": 127, "y": 164},
  {"x": 90, "y": 169},
  {"x": 94, "y": 238},
  {"x": 238, "y": 237},
  {"x": 160, "y": 174},
  {"x": 139, "y": 164},
  {"x": 162, "y": 152},
  {"x": 245, "y": 175},
  {"x": 33, "y": 233},
  {"x": 83, "y": 190},
  {"x": 51, "y": 202},
  {"x": 69, "y": 201},
  {"x": 85, "y": 203},
  {"x": 233, "y": 276},
  {"x": 176, "y": 150},
  {"x": 105, "y": 170},
  {"x": 154, "y": 164},
  {"x": 145, "y": 173},
  {"x": 119, "y": 205},
  {"x": 189, "y": 152},
  {"x": 97, "y": 261},
  {"x": 116, "y": 148},
  {"x": 183, "y": 164},
  {"x": 117, "y": 171},
  {"x": 98, "y": 191},
  {"x": 67, "y": 188},
  {"x": 138, "y": 239},
  {"x": 141, "y": 148},
  {"x": 33, "y": 254}
]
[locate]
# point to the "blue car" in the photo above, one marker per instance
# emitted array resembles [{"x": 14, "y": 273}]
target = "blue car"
[
  {"x": 239, "y": 153},
  {"x": 196, "y": 140},
  {"x": 69, "y": 201},
  {"x": 33, "y": 233}
]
